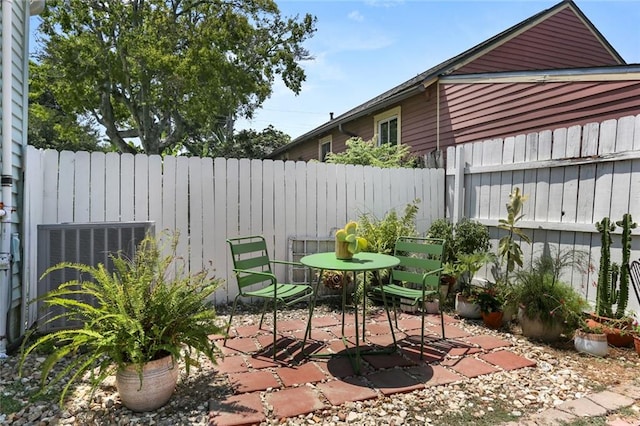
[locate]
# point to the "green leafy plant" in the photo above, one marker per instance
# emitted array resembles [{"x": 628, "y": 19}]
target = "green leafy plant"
[
  {"x": 147, "y": 308},
  {"x": 381, "y": 234},
  {"x": 613, "y": 279},
  {"x": 442, "y": 228},
  {"x": 489, "y": 300},
  {"x": 541, "y": 295},
  {"x": 369, "y": 153},
  {"x": 509, "y": 250}
]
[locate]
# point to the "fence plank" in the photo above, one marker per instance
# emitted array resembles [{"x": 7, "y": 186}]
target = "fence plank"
[
  {"x": 127, "y": 194},
  {"x": 82, "y": 187}
]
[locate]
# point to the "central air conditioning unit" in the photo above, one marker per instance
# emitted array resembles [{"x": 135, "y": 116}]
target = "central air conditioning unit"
[{"x": 87, "y": 243}]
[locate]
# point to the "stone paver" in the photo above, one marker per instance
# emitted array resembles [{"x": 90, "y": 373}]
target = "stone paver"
[
  {"x": 582, "y": 407},
  {"x": 610, "y": 400},
  {"x": 382, "y": 361},
  {"x": 301, "y": 374},
  {"x": 236, "y": 410},
  {"x": 350, "y": 389},
  {"x": 393, "y": 381},
  {"x": 470, "y": 367},
  {"x": 553, "y": 417},
  {"x": 253, "y": 381},
  {"x": 434, "y": 375},
  {"x": 507, "y": 360},
  {"x": 487, "y": 342},
  {"x": 232, "y": 364},
  {"x": 292, "y": 402}
]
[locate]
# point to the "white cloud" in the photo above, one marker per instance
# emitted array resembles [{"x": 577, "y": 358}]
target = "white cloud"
[{"x": 356, "y": 16}]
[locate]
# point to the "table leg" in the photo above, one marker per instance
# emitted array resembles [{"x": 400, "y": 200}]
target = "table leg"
[{"x": 312, "y": 306}]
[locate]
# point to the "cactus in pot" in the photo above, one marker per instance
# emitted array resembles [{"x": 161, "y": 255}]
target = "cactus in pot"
[{"x": 348, "y": 243}]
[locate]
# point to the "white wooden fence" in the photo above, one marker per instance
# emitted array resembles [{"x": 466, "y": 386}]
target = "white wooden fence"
[
  {"x": 210, "y": 200},
  {"x": 572, "y": 177}
]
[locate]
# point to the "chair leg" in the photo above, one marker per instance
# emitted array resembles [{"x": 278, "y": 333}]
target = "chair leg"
[
  {"x": 264, "y": 309},
  {"x": 441, "y": 319},
  {"x": 275, "y": 327},
  {"x": 233, "y": 311},
  {"x": 422, "y": 331}
]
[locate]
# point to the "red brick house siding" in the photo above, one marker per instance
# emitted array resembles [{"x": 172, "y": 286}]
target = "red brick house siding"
[
  {"x": 560, "y": 41},
  {"x": 472, "y": 112}
]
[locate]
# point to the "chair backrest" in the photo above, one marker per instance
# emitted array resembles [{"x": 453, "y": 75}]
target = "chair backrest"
[
  {"x": 634, "y": 272},
  {"x": 250, "y": 254},
  {"x": 418, "y": 256}
]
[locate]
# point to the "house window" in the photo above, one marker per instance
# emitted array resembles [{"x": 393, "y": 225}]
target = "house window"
[
  {"x": 387, "y": 126},
  {"x": 324, "y": 148}
]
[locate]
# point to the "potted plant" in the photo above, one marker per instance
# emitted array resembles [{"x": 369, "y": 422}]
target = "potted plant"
[
  {"x": 466, "y": 267},
  {"x": 591, "y": 340},
  {"x": 490, "y": 304},
  {"x": 613, "y": 283},
  {"x": 548, "y": 307},
  {"x": 148, "y": 316},
  {"x": 465, "y": 237},
  {"x": 636, "y": 335}
]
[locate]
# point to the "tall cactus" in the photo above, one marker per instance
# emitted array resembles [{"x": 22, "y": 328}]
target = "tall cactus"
[
  {"x": 613, "y": 280},
  {"x": 627, "y": 224},
  {"x": 603, "y": 295}
]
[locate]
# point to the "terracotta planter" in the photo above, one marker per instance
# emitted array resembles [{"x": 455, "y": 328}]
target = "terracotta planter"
[
  {"x": 591, "y": 343},
  {"x": 636, "y": 343},
  {"x": 467, "y": 309},
  {"x": 493, "y": 319},
  {"x": 619, "y": 337},
  {"x": 159, "y": 380},
  {"x": 342, "y": 250},
  {"x": 534, "y": 328}
]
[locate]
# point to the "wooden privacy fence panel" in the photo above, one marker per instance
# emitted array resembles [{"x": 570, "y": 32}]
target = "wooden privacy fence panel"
[
  {"x": 208, "y": 200},
  {"x": 571, "y": 177}
]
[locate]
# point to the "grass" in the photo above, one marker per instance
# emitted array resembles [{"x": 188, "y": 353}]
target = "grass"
[{"x": 8, "y": 403}]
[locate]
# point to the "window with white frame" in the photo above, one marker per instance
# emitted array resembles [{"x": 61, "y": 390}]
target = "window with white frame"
[
  {"x": 387, "y": 126},
  {"x": 324, "y": 148}
]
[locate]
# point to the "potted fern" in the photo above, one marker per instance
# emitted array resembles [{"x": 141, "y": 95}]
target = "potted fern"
[{"x": 148, "y": 316}]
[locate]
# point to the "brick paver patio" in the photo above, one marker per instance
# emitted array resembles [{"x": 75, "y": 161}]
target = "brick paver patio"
[{"x": 262, "y": 386}]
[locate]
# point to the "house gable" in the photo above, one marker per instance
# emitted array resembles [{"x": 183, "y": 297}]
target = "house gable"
[
  {"x": 557, "y": 38},
  {"x": 563, "y": 40}
]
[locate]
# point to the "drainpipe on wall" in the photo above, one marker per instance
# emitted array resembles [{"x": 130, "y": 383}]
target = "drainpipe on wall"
[{"x": 6, "y": 177}]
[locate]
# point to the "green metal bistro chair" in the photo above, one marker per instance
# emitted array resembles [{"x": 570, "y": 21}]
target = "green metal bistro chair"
[
  {"x": 416, "y": 277},
  {"x": 252, "y": 268}
]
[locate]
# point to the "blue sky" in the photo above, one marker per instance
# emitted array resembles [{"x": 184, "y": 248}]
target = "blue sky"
[{"x": 362, "y": 48}]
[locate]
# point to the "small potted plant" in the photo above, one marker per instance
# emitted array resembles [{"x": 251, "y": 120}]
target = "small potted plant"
[
  {"x": 591, "y": 340},
  {"x": 466, "y": 267},
  {"x": 636, "y": 335},
  {"x": 490, "y": 304},
  {"x": 148, "y": 315}
]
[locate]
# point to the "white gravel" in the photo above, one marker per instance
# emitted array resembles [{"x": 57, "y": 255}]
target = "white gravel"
[{"x": 560, "y": 375}]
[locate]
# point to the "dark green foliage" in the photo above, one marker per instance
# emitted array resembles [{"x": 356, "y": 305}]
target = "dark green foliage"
[
  {"x": 465, "y": 237},
  {"x": 146, "y": 308},
  {"x": 381, "y": 234},
  {"x": 369, "y": 153},
  {"x": 542, "y": 295},
  {"x": 443, "y": 229},
  {"x": 170, "y": 73}
]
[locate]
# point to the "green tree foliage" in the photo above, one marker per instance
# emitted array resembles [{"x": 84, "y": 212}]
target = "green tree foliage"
[
  {"x": 369, "y": 153},
  {"x": 49, "y": 126},
  {"x": 244, "y": 144},
  {"x": 165, "y": 73}
]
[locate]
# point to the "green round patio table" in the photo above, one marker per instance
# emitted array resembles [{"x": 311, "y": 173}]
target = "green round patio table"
[{"x": 361, "y": 262}]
